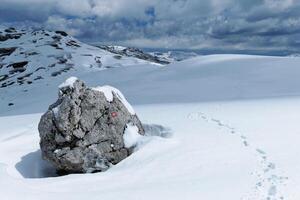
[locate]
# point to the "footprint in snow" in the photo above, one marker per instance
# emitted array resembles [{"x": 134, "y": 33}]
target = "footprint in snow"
[{"x": 268, "y": 182}]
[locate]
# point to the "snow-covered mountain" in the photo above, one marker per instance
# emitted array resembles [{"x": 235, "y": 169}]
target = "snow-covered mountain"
[
  {"x": 30, "y": 56},
  {"x": 174, "y": 55},
  {"x": 234, "y": 122},
  {"x": 138, "y": 53}
]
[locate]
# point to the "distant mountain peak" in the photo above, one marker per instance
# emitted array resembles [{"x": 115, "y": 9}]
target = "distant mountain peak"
[{"x": 135, "y": 52}]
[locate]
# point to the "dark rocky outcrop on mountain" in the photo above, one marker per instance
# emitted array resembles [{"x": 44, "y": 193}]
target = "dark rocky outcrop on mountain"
[
  {"x": 10, "y": 33},
  {"x": 7, "y": 51}
]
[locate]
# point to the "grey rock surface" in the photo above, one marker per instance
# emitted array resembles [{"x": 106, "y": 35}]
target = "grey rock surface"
[{"x": 82, "y": 132}]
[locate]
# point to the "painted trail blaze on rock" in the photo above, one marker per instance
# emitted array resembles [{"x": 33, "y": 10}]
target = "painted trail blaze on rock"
[
  {"x": 82, "y": 132},
  {"x": 114, "y": 114}
]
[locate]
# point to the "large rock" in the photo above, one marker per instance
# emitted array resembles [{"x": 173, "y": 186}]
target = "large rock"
[{"x": 88, "y": 129}]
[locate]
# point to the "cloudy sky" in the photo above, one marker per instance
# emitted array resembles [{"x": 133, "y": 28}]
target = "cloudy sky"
[{"x": 184, "y": 24}]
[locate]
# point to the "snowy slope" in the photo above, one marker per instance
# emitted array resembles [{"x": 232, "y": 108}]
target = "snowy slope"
[
  {"x": 200, "y": 79},
  {"x": 234, "y": 122},
  {"x": 27, "y": 57},
  {"x": 206, "y": 158}
]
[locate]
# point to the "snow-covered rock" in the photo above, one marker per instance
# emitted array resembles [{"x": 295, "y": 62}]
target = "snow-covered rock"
[{"x": 84, "y": 131}]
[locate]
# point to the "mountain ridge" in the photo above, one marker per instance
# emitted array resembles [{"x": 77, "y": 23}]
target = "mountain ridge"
[{"x": 28, "y": 56}]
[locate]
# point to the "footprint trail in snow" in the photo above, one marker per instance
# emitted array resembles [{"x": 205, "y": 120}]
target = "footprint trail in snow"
[{"x": 269, "y": 181}]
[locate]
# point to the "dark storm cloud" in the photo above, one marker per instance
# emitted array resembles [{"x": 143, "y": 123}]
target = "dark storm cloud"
[{"x": 224, "y": 24}]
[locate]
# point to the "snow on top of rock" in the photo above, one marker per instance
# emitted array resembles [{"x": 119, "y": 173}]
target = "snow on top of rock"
[
  {"x": 131, "y": 136},
  {"x": 69, "y": 82},
  {"x": 108, "y": 92}
]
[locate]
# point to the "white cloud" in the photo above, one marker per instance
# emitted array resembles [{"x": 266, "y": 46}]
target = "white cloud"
[
  {"x": 279, "y": 4},
  {"x": 79, "y": 8},
  {"x": 60, "y": 23}
]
